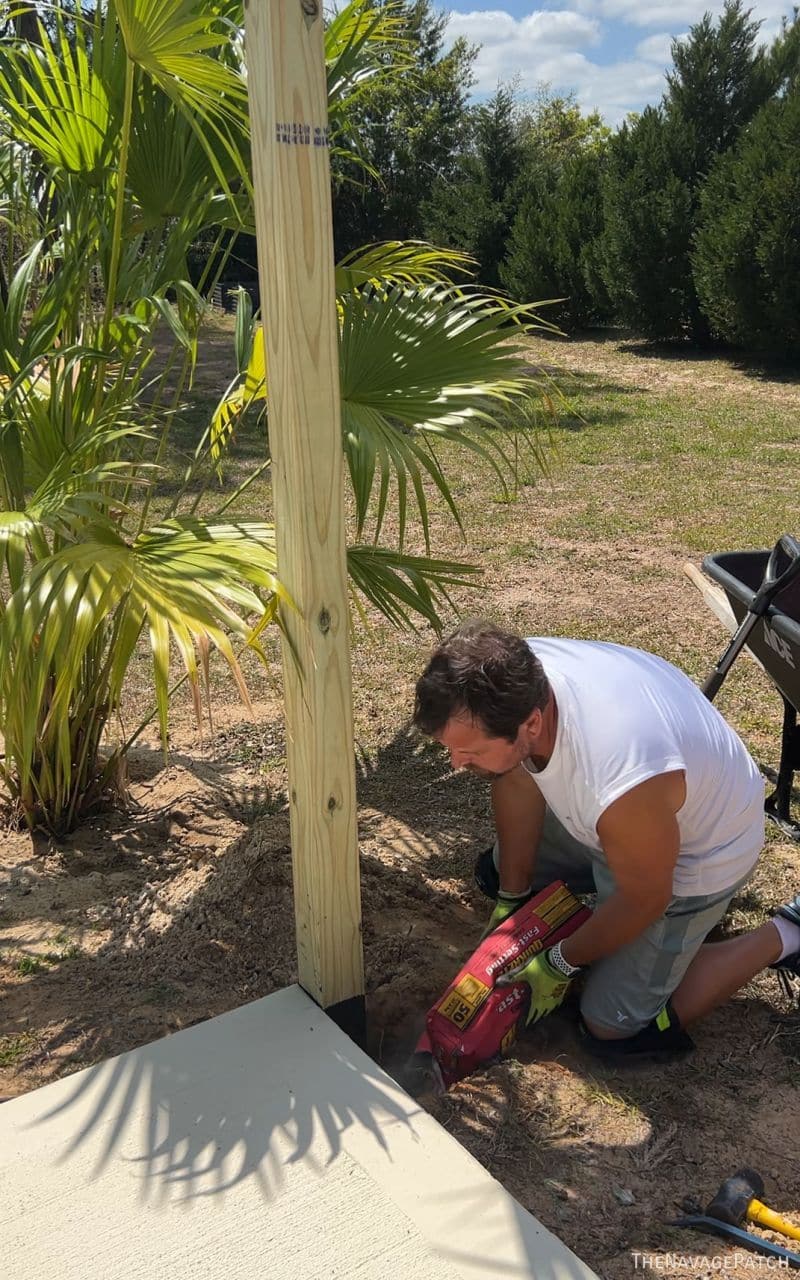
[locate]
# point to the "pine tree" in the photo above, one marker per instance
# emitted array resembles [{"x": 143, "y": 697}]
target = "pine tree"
[
  {"x": 747, "y": 253},
  {"x": 416, "y": 128},
  {"x": 551, "y": 246},
  {"x": 720, "y": 79},
  {"x": 645, "y": 242},
  {"x": 658, "y": 165},
  {"x": 474, "y": 209}
]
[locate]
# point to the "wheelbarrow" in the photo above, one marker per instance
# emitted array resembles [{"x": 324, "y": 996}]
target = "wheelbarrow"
[{"x": 763, "y": 591}]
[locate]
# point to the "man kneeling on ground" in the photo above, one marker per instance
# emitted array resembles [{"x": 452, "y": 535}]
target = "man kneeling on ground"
[{"x": 611, "y": 771}]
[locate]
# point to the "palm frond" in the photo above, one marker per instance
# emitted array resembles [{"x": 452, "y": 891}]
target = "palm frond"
[
  {"x": 163, "y": 36},
  {"x": 406, "y": 262},
  {"x": 12, "y": 310},
  {"x": 404, "y": 587},
  {"x": 239, "y": 395},
  {"x": 363, "y": 40},
  {"x": 168, "y": 169},
  {"x": 65, "y": 426},
  {"x": 243, "y": 336},
  {"x": 33, "y": 317},
  {"x": 16, "y": 529},
  {"x": 187, "y": 582},
  {"x": 177, "y": 43},
  {"x": 57, "y": 102},
  {"x": 419, "y": 367}
]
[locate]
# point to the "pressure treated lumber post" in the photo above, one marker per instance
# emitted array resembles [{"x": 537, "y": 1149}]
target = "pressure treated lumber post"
[{"x": 291, "y": 169}]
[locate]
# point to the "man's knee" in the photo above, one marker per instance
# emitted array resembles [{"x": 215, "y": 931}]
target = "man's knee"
[
  {"x": 664, "y": 1035},
  {"x": 600, "y": 1032},
  {"x": 610, "y": 1013}
]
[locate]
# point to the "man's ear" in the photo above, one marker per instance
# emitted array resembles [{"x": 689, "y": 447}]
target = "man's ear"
[{"x": 532, "y": 726}]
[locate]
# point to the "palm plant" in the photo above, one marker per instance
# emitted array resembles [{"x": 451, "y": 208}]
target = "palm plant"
[{"x": 123, "y": 138}]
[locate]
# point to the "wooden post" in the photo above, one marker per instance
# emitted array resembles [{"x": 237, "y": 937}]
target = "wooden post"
[{"x": 291, "y": 169}]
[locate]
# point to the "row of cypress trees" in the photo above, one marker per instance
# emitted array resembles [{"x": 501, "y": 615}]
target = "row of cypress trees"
[
  {"x": 682, "y": 223},
  {"x": 686, "y": 222}
]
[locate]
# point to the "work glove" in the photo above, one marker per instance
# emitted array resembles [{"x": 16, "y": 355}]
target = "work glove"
[
  {"x": 548, "y": 986},
  {"x": 506, "y": 905}
]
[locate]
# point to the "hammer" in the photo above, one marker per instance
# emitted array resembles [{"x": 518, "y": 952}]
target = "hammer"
[
  {"x": 736, "y": 1201},
  {"x": 739, "y": 1200}
]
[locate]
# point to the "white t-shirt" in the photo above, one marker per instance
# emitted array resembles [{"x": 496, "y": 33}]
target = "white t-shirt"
[{"x": 625, "y": 716}]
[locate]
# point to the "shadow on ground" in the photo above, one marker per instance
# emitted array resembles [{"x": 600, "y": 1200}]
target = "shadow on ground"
[{"x": 757, "y": 365}]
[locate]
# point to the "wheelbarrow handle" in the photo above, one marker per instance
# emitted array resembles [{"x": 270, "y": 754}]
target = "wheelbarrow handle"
[{"x": 771, "y": 586}]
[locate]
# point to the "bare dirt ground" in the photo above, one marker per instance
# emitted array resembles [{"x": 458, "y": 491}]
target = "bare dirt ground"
[{"x": 145, "y": 922}]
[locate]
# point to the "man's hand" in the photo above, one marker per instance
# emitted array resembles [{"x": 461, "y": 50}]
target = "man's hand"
[
  {"x": 506, "y": 905},
  {"x": 548, "y": 986}
]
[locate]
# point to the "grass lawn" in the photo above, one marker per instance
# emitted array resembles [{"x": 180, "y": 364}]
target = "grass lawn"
[{"x": 183, "y": 905}]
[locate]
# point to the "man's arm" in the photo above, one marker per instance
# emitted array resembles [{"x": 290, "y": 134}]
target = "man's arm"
[
  {"x": 641, "y": 840},
  {"x": 519, "y": 809}
]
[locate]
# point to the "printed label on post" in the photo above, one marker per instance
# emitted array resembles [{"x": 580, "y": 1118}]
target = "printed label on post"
[{"x": 296, "y": 133}]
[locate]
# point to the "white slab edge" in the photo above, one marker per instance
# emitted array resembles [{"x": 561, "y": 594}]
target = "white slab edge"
[{"x": 262, "y": 1143}]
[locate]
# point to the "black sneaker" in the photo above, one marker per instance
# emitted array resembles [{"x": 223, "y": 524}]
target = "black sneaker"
[
  {"x": 791, "y": 911},
  {"x": 486, "y": 876},
  {"x": 788, "y": 969}
]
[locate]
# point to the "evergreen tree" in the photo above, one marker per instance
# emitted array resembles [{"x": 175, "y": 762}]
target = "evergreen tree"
[
  {"x": 415, "y": 127},
  {"x": 719, "y": 80},
  {"x": 647, "y": 209},
  {"x": 658, "y": 165},
  {"x": 473, "y": 209},
  {"x": 516, "y": 154},
  {"x": 784, "y": 56},
  {"x": 551, "y": 246},
  {"x": 747, "y": 252}
]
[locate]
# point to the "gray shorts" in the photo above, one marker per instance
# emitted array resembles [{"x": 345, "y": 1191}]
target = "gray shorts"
[{"x": 624, "y": 992}]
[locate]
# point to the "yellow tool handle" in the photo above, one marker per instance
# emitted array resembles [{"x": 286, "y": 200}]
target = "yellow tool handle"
[{"x": 758, "y": 1212}]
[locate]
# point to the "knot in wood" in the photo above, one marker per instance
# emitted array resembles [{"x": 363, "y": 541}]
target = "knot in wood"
[
  {"x": 310, "y": 8},
  {"x": 324, "y": 621},
  {"x": 332, "y": 803}
]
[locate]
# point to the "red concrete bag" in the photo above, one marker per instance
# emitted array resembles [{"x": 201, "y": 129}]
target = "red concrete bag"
[{"x": 474, "y": 1020}]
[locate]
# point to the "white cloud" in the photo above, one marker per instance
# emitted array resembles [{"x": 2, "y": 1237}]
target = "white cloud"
[
  {"x": 546, "y": 47},
  {"x": 622, "y": 87},
  {"x": 510, "y": 48},
  {"x": 550, "y": 46},
  {"x": 656, "y": 49},
  {"x": 543, "y": 29},
  {"x": 543, "y": 46},
  {"x": 649, "y": 13},
  {"x": 681, "y": 13}
]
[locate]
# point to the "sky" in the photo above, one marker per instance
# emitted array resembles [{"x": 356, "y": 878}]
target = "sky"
[{"x": 611, "y": 53}]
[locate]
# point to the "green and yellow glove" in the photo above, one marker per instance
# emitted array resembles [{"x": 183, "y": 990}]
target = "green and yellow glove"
[
  {"x": 548, "y": 986},
  {"x": 506, "y": 905}
]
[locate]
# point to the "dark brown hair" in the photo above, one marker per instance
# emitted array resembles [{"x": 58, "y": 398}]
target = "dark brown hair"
[{"x": 492, "y": 675}]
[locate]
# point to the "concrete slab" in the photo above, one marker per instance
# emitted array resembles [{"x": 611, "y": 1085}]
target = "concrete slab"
[{"x": 262, "y": 1143}]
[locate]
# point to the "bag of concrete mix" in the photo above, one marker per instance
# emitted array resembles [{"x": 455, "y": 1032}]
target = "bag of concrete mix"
[{"x": 475, "y": 1021}]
